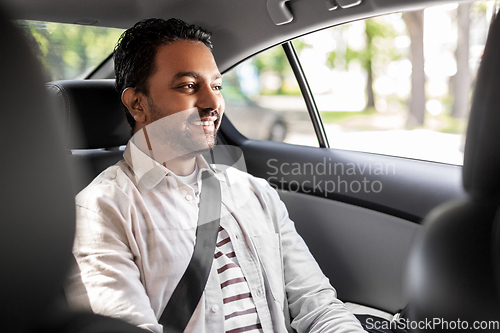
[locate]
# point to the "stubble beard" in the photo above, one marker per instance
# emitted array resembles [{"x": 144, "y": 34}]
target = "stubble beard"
[{"x": 175, "y": 134}]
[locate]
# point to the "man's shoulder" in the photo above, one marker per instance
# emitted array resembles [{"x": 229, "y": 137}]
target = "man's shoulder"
[
  {"x": 111, "y": 182},
  {"x": 229, "y": 173},
  {"x": 239, "y": 177}
]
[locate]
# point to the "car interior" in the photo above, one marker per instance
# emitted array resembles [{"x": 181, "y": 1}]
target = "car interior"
[
  {"x": 92, "y": 145},
  {"x": 429, "y": 239}
]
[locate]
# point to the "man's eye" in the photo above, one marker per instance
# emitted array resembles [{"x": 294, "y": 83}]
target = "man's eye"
[{"x": 217, "y": 87}]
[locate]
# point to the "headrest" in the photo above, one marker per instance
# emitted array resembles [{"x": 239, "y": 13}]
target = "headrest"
[
  {"x": 37, "y": 215},
  {"x": 481, "y": 171},
  {"x": 91, "y": 112}
]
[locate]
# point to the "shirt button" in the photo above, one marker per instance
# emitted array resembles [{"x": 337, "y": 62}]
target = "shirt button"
[
  {"x": 215, "y": 308},
  {"x": 189, "y": 197}
]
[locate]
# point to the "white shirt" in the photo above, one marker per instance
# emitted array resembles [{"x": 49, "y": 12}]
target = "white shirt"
[{"x": 135, "y": 236}]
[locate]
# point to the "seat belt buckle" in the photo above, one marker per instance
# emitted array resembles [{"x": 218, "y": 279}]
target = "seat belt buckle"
[{"x": 397, "y": 317}]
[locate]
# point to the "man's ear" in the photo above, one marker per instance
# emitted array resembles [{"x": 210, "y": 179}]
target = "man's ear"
[{"x": 134, "y": 101}]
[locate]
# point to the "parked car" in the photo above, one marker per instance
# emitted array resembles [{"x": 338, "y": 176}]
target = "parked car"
[
  {"x": 253, "y": 120},
  {"x": 360, "y": 213}
]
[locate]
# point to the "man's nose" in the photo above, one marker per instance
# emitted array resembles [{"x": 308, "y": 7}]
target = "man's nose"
[{"x": 209, "y": 99}]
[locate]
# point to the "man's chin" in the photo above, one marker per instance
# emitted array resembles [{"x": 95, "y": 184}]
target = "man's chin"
[
  {"x": 205, "y": 146},
  {"x": 195, "y": 153}
]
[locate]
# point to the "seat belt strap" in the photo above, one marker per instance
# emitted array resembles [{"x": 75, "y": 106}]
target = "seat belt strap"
[{"x": 187, "y": 294}]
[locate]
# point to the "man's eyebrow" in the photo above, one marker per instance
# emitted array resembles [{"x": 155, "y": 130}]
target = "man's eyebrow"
[
  {"x": 194, "y": 75},
  {"x": 181, "y": 75}
]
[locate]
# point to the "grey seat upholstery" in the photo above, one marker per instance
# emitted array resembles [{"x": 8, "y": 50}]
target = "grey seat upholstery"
[
  {"x": 37, "y": 216},
  {"x": 92, "y": 113},
  {"x": 454, "y": 268},
  {"x": 94, "y": 124}
]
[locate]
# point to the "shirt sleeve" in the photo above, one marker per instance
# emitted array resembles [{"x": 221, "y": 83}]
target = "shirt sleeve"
[
  {"x": 312, "y": 301},
  {"x": 106, "y": 268}
]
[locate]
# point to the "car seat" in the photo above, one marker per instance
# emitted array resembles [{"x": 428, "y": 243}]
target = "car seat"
[
  {"x": 37, "y": 215},
  {"x": 94, "y": 124},
  {"x": 454, "y": 268}
]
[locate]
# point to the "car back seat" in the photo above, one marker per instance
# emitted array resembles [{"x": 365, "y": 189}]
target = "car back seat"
[{"x": 94, "y": 124}]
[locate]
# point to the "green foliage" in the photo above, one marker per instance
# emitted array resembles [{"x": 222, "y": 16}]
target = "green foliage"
[
  {"x": 330, "y": 59},
  {"x": 378, "y": 49},
  {"x": 450, "y": 124},
  {"x": 272, "y": 60},
  {"x": 479, "y": 8},
  {"x": 455, "y": 126},
  {"x": 300, "y": 45},
  {"x": 373, "y": 57},
  {"x": 67, "y": 50},
  {"x": 329, "y": 117}
]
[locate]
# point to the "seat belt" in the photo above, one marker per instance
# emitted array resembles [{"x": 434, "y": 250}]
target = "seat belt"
[
  {"x": 187, "y": 294},
  {"x": 401, "y": 314}
]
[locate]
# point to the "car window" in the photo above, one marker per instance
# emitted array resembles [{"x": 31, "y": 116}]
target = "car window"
[
  {"x": 70, "y": 51},
  {"x": 263, "y": 100},
  {"x": 399, "y": 84}
]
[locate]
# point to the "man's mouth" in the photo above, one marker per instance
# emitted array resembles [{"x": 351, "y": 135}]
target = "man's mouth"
[
  {"x": 204, "y": 123},
  {"x": 208, "y": 124}
]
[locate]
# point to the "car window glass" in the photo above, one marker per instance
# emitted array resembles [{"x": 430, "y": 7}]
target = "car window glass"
[
  {"x": 263, "y": 100},
  {"x": 399, "y": 84},
  {"x": 70, "y": 51}
]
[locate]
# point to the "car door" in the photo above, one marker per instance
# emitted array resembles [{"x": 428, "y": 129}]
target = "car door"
[{"x": 361, "y": 239}]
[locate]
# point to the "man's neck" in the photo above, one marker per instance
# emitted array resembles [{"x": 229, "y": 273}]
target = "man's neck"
[{"x": 181, "y": 166}]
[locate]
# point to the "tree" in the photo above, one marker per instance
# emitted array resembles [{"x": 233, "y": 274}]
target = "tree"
[
  {"x": 415, "y": 25},
  {"x": 462, "y": 79},
  {"x": 68, "y": 50},
  {"x": 378, "y": 49},
  {"x": 274, "y": 60}
]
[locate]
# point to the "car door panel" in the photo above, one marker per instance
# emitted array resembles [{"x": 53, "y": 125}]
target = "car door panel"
[
  {"x": 360, "y": 239},
  {"x": 363, "y": 252},
  {"x": 402, "y": 187}
]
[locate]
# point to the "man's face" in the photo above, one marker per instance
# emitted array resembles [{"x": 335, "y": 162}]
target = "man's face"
[{"x": 184, "y": 101}]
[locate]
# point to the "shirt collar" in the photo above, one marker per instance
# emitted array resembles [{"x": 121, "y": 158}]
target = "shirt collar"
[{"x": 148, "y": 172}]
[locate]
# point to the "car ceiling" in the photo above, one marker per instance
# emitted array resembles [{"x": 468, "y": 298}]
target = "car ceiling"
[{"x": 240, "y": 28}]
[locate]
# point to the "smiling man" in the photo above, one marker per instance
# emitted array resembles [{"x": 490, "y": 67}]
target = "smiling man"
[
  {"x": 184, "y": 83},
  {"x": 137, "y": 221}
]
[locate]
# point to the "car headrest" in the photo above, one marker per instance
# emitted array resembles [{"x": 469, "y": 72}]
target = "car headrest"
[
  {"x": 91, "y": 112},
  {"x": 37, "y": 211},
  {"x": 481, "y": 170}
]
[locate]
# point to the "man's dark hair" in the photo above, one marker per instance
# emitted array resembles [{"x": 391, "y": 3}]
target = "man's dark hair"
[{"x": 135, "y": 52}]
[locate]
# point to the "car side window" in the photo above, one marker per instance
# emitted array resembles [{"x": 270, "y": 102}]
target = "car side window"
[
  {"x": 69, "y": 51},
  {"x": 399, "y": 84},
  {"x": 263, "y": 100}
]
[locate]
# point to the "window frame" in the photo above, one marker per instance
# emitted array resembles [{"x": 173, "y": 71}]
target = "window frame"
[{"x": 305, "y": 89}]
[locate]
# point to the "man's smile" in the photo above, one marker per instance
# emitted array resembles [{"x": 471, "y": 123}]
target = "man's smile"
[{"x": 207, "y": 123}]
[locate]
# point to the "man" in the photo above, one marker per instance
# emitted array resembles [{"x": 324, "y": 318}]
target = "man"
[{"x": 136, "y": 222}]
